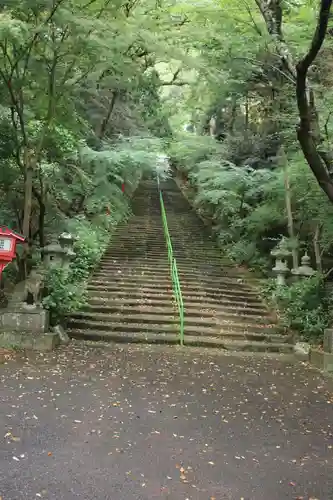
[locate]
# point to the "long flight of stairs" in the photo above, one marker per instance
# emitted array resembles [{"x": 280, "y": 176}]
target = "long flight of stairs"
[{"x": 130, "y": 294}]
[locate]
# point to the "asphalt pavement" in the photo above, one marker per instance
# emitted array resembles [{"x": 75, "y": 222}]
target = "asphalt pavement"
[{"x": 143, "y": 423}]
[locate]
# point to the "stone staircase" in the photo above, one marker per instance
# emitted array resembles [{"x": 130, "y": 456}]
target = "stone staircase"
[{"x": 130, "y": 294}]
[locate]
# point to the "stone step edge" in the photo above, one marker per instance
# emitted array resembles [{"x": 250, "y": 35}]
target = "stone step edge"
[
  {"x": 201, "y": 277},
  {"x": 257, "y": 320},
  {"x": 101, "y": 285},
  {"x": 172, "y": 309},
  {"x": 197, "y": 297},
  {"x": 155, "y": 271},
  {"x": 167, "y": 306},
  {"x": 172, "y": 326},
  {"x": 233, "y": 345}
]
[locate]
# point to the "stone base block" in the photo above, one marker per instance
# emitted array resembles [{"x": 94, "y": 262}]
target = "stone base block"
[
  {"x": 34, "y": 320},
  {"x": 36, "y": 342},
  {"x": 328, "y": 340},
  {"x": 322, "y": 360}
]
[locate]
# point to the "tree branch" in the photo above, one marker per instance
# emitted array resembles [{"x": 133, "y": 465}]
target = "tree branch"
[
  {"x": 174, "y": 80},
  {"x": 254, "y": 25},
  {"x": 318, "y": 37},
  {"x": 305, "y": 133}
]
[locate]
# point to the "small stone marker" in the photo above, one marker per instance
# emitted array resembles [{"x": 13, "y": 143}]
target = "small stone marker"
[{"x": 63, "y": 337}]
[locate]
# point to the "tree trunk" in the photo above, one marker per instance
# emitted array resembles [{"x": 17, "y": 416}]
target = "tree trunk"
[
  {"x": 316, "y": 248},
  {"x": 101, "y": 132},
  {"x": 41, "y": 224},
  {"x": 290, "y": 219},
  {"x": 247, "y": 111},
  {"x": 28, "y": 184}
]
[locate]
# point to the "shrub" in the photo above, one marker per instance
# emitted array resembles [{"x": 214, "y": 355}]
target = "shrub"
[
  {"x": 64, "y": 296},
  {"x": 303, "y": 306}
]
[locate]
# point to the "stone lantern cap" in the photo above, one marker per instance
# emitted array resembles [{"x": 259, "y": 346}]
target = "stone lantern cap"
[
  {"x": 281, "y": 250},
  {"x": 66, "y": 240},
  {"x": 53, "y": 248}
]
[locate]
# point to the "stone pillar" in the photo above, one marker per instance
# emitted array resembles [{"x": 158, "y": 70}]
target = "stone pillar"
[
  {"x": 328, "y": 340},
  {"x": 323, "y": 358}
]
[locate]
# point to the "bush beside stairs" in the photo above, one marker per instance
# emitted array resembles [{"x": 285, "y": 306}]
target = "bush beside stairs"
[{"x": 130, "y": 293}]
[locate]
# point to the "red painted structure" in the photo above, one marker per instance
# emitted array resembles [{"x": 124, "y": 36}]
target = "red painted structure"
[{"x": 8, "y": 242}]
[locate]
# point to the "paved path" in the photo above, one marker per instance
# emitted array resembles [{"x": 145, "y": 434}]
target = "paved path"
[{"x": 144, "y": 423}]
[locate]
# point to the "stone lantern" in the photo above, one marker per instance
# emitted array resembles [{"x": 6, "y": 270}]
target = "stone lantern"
[
  {"x": 281, "y": 254},
  {"x": 66, "y": 241},
  {"x": 54, "y": 255},
  {"x": 304, "y": 270}
]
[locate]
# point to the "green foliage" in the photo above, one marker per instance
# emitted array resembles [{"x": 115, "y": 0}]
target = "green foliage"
[
  {"x": 64, "y": 296},
  {"x": 187, "y": 151},
  {"x": 77, "y": 93},
  {"x": 304, "y": 306},
  {"x": 67, "y": 291},
  {"x": 88, "y": 94},
  {"x": 80, "y": 103}
]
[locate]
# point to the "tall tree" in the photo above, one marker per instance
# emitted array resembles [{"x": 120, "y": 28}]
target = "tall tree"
[{"x": 310, "y": 138}]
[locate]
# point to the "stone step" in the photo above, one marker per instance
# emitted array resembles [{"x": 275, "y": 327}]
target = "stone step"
[
  {"x": 161, "y": 261},
  {"x": 130, "y": 293},
  {"x": 105, "y": 306},
  {"x": 187, "y": 293},
  {"x": 191, "y": 307},
  {"x": 146, "y": 267},
  {"x": 205, "y": 279},
  {"x": 197, "y": 298},
  {"x": 222, "y": 283},
  {"x": 135, "y": 250},
  {"x": 131, "y": 269},
  {"x": 167, "y": 338},
  {"x": 168, "y": 308},
  {"x": 196, "y": 257},
  {"x": 205, "y": 325},
  {"x": 166, "y": 284},
  {"x": 142, "y": 293},
  {"x": 207, "y": 319},
  {"x": 188, "y": 276},
  {"x": 158, "y": 242}
]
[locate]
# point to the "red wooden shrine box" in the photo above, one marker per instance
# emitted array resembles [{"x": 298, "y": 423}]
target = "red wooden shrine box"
[{"x": 8, "y": 241}]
